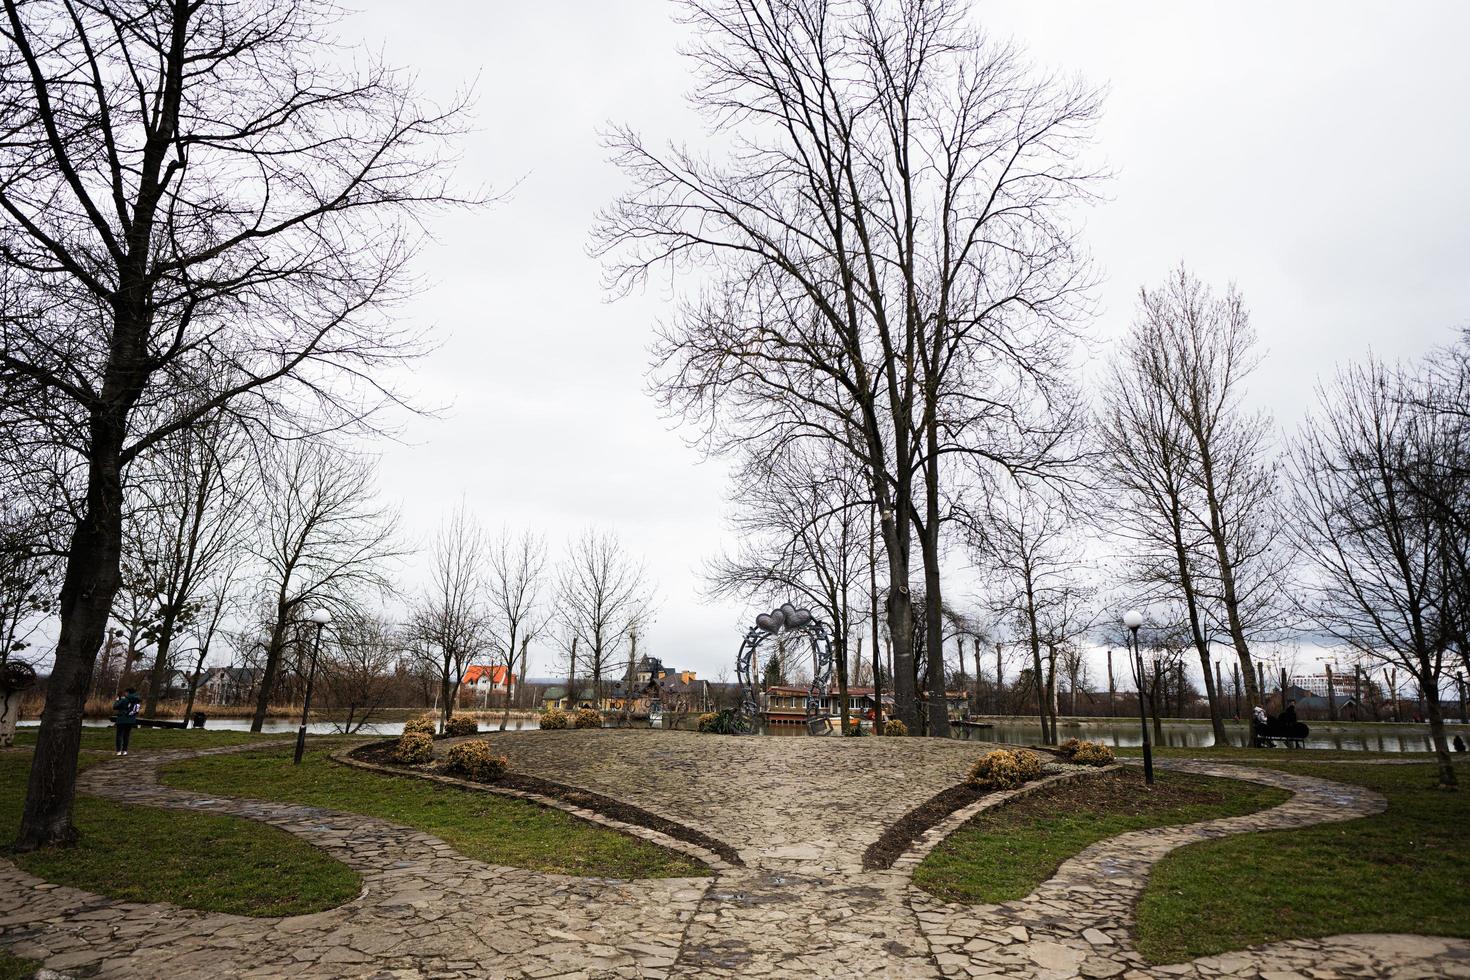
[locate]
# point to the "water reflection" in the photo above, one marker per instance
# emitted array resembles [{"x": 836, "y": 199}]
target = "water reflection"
[
  {"x": 1120, "y": 734},
  {"x": 1124, "y": 735}
]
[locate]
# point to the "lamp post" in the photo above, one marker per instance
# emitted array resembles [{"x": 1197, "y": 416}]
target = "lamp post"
[
  {"x": 1133, "y": 619},
  {"x": 320, "y": 617}
]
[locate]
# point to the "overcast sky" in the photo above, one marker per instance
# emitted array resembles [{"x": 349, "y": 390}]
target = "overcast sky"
[{"x": 1315, "y": 154}]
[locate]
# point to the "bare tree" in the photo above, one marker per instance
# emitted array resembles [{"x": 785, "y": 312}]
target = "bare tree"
[
  {"x": 202, "y": 206},
  {"x": 453, "y": 620},
  {"x": 1027, "y": 545},
  {"x": 186, "y": 528},
  {"x": 1197, "y": 351},
  {"x": 1147, "y": 454},
  {"x": 29, "y": 576},
  {"x": 887, "y": 246},
  {"x": 802, "y": 520},
  {"x": 324, "y": 540},
  {"x": 1375, "y": 548},
  {"x": 357, "y": 670},
  {"x": 602, "y": 597},
  {"x": 516, "y": 572}
]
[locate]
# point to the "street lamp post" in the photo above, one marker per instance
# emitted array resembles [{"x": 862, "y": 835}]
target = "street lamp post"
[
  {"x": 1133, "y": 619},
  {"x": 320, "y": 617}
]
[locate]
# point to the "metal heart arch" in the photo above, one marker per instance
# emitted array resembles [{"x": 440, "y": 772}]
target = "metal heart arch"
[{"x": 765, "y": 622}]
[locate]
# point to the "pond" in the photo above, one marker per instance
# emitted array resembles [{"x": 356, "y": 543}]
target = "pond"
[
  {"x": 1121, "y": 734},
  {"x": 1008, "y": 731}
]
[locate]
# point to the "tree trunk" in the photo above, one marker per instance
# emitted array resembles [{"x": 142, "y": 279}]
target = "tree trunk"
[
  {"x": 1437, "y": 734},
  {"x": 273, "y": 654},
  {"x": 900, "y": 607},
  {"x": 158, "y": 676},
  {"x": 933, "y": 606},
  {"x": 1112, "y": 689},
  {"x": 90, "y": 584}
]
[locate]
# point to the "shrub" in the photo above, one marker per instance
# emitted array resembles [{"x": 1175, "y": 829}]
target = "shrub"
[
  {"x": 895, "y": 727},
  {"x": 421, "y": 725},
  {"x": 1093, "y": 754},
  {"x": 414, "y": 748},
  {"x": 709, "y": 722},
  {"x": 474, "y": 760},
  {"x": 461, "y": 725},
  {"x": 1068, "y": 748},
  {"x": 1004, "y": 769},
  {"x": 587, "y": 718},
  {"x": 553, "y": 718}
]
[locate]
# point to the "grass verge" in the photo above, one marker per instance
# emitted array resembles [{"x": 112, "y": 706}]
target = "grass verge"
[
  {"x": 16, "y": 968},
  {"x": 1406, "y": 870},
  {"x": 196, "y": 860},
  {"x": 1004, "y": 853},
  {"x": 98, "y": 739},
  {"x": 484, "y": 826}
]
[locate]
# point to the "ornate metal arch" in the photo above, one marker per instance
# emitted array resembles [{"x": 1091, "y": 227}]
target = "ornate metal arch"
[{"x": 788, "y": 622}]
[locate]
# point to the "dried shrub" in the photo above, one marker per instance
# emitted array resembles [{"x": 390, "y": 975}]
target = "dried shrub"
[
  {"x": 474, "y": 760},
  {"x": 1067, "y": 748},
  {"x": 462, "y": 725},
  {"x": 895, "y": 727},
  {"x": 420, "y": 725},
  {"x": 709, "y": 721},
  {"x": 1004, "y": 769},
  {"x": 1093, "y": 754},
  {"x": 553, "y": 718},
  {"x": 1030, "y": 764},
  {"x": 587, "y": 718},
  {"x": 414, "y": 749}
]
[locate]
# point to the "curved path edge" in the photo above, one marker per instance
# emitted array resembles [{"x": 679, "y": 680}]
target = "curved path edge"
[
  {"x": 425, "y": 910},
  {"x": 1080, "y": 922},
  {"x": 705, "y": 855}
]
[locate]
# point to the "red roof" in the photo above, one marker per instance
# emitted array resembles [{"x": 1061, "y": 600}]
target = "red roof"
[{"x": 497, "y": 674}]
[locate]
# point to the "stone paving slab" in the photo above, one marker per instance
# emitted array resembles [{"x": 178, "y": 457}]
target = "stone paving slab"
[{"x": 800, "y": 812}]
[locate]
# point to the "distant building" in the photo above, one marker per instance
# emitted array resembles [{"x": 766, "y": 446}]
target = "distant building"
[
  {"x": 1317, "y": 683},
  {"x": 485, "y": 680}
]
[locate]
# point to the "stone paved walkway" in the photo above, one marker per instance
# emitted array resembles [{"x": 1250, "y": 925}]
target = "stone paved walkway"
[
  {"x": 800, "y": 812},
  {"x": 1080, "y": 921}
]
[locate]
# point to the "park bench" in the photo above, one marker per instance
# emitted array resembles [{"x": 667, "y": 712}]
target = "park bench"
[{"x": 1266, "y": 737}]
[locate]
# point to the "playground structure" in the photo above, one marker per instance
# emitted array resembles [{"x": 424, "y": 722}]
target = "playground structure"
[{"x": 780, "y": 625}]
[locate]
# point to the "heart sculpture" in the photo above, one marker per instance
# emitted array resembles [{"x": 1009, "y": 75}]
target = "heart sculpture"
[
  {"x": 765, "y": 622},
  {"x": 799, "y": 618}
]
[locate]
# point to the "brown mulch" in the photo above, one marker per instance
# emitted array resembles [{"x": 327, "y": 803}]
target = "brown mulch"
[
  {"x": 381, "y": 753},
  {"x": 1119, "y": 791},
  {"x": 900, "y": 836}
]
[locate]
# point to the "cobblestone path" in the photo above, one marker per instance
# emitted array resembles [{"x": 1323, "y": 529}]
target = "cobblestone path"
[
  {"x": 1080, "y": 921},
  {"x": 799, "y": 811}
]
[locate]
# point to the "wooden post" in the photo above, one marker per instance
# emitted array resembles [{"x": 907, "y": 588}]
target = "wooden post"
[{"x": 1357, "y": 692}]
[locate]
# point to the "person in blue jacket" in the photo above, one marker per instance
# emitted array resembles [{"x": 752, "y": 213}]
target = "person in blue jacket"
[{"x": 125, "y": 716}]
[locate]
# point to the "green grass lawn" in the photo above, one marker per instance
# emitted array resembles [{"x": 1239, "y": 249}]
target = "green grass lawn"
[
  {"x": 15, "y": 968},
  {"x": 153, "y": 739},
  {"x": 1003, "y": 854},
  {"x": 1406, "y": 870},
  {"x": 484, "y": 826},
  {"x": 196, "y": 860}
]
